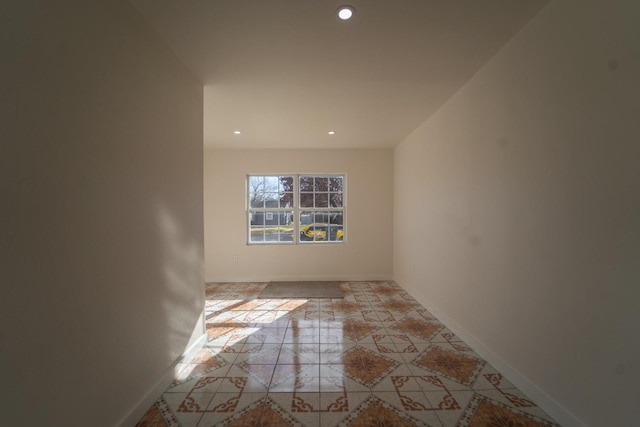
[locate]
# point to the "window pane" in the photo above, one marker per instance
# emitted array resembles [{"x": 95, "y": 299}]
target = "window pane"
[
  {"x": 257, "y": 234},
  {"x": 256, "y": 191},
  {"x": 322, "y": 200},
  {"x": 286, "y": 219},
  {"x": 271, "y": 200},
  {"x": 321, "y": 217},
  {"x": 336, "y": 233},
  {"x": 306, "y": 218},
  {"x": 335, "y": 200},
  {"x": 335, "y": 218},
  {"x": 286, "y": 227},
  {"x": 271, "y": 219},
  {"x": 257, "y": 227},
  {"x": 306, "y": 200},
  {"x": 322, "y": 184},
  {"x": 286, "y": 184},
  {"x": 307, "y": 226},
  {"x": 271, "y": 184},
  {"x": 256, "y": 183},
  {"x": 306, "y": 183},
  {"x": 257, "y": 202},
  {"x": 286, "y": 237},
  {"x": 257, "y": 218},
  {"x": 286, "y": 200},
  {"x": 335, "y": 184},
  {"x": 320, "y": 232},
  {"x": 285, "y": 233}
]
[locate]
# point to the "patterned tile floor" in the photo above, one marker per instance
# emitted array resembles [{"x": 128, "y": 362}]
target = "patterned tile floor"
[{"x": 374, "y": 358}]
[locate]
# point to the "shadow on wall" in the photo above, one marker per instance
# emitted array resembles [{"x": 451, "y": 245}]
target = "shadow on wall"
[
  {"x": 183, "y": 267},
  {"x": 172, "y": 318}
]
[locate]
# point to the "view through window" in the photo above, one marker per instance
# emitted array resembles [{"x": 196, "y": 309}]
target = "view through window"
[{"x": 291, "y": 209}]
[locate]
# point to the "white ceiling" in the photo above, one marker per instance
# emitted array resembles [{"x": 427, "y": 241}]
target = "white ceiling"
[{"x": 285, "y": 72}]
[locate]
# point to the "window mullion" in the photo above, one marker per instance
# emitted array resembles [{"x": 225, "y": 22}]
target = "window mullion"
[{"x": 296, "y": 209}]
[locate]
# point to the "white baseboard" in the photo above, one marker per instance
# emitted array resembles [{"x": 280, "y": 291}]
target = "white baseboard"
[
  {"x": 264, "y": 279},
  {"x": 193, "y": 350},
  {"x": 542, "y": 399},
  {"x": 143, "y": 405}
]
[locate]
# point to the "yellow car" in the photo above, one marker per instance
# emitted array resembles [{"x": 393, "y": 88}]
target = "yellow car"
[{"x": 318, "y": 232}]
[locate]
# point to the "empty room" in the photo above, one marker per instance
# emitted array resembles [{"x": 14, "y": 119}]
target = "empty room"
[{"x": 320, "y": 213}]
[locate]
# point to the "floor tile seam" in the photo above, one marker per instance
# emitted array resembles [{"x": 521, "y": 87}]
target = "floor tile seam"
[
  {"x": 441, "y": 342},
  {"x": 463, "y": 410}
]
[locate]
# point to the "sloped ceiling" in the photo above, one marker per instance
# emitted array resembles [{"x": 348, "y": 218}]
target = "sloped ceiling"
[{"x": 285, "y": 72}]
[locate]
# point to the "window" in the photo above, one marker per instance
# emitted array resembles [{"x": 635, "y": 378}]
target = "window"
[{"x": 291, "y": 209}]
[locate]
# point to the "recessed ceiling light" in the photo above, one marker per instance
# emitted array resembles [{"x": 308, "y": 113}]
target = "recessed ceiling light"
[
  {"x": 237, "y": 132},
  {"x": 332, "y": 132},
  {"x": 345, "y": 12}
]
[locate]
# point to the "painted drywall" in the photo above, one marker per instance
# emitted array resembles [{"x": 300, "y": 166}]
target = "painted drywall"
[
  {"x": 367, "y": 252},
  {"x": 517, "y": 209},
  {"x": 101, "y": 244}
]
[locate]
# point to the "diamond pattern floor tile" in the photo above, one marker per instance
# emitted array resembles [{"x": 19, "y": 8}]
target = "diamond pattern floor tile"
[{"x": 375, "y": 357}]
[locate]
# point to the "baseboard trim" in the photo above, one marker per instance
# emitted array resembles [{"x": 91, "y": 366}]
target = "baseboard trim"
[
  {"x": 264, "y": 279},
  {"x": 143, "y": 405},
  {"x": 542, "y": 399},
  {"x": 193, "y": 350}
]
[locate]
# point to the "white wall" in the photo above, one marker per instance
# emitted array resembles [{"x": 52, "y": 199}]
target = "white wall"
[
  {"x": 101, "y": 233},
  {"x": 367, "y": 253},
  {"x": 517, "y": 209}
]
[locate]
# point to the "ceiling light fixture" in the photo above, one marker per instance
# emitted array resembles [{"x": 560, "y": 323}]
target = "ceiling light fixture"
[
  {"x": 345, "y": 12},
  {"x": 332, "y": 132},
  {"x": 237, "y": 132}
]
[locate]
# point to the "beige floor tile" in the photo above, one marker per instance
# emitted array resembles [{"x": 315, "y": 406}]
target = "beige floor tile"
[{"x": 375, "y": 356}]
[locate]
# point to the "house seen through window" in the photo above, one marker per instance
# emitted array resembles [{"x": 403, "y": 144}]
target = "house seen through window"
[{"x": 290, "y": 209}]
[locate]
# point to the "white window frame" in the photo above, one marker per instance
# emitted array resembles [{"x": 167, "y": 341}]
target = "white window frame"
[{"x": 296, "y": 209}]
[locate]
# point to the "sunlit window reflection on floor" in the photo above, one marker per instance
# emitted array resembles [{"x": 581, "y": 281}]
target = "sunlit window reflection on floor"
[{"x": 374, "y": 356}]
